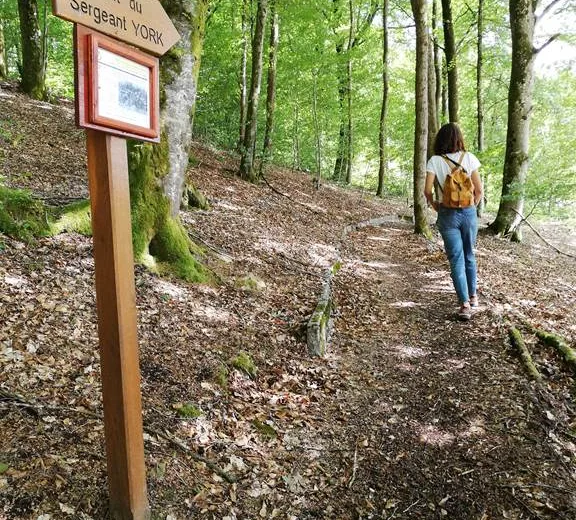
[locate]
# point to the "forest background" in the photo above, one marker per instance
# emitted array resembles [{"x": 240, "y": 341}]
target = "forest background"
[{"x": 342, "y": 76}]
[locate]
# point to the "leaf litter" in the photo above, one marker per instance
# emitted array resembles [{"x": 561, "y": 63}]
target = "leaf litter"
[{"x": 411, "y": 414}]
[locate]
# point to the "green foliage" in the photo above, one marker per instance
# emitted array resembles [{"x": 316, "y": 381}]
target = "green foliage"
[
  {"x": 244, "y": 362},
  {"x": 21, "y": 215},
  {"x": 74, "y": 217}
]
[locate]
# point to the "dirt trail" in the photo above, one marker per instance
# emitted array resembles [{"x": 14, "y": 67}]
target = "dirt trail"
[
  {"x": 438, "y": 418},
  {"x": 411, "y": 415}
]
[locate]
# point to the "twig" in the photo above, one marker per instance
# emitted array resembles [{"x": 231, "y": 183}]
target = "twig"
[
  {"x": 525, "y": 219},
  {"x": 211, "y": 465},
  {"x": 198, "y": 238},
  {"x": 354, "y": 467},
  {"x": 288, "y": 196}
]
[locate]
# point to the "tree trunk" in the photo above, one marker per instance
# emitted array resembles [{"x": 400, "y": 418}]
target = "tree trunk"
[
  {"x": 343, "y": 153},
  {"x": 349, "y": 147},
  {"x": 247, "y": 170},
  {"x": 437, "y": 62},
  {"x": 522, "y": 22},
  {"x": 271, "y": 91},
  {"x": 479, "y": 104},
  {"x": 3, "y": 65},
  {"x": 296, "y": 139},
  {"x": 317, "y": 131},
  {"x": 33, "y": 67},
  {"x": 479, "y": 71},
  {"x": 157, "y": 172},
  {"x": 419, "y": 8},
  {"x": 383, "y": 156},
  {"x": 433, "y": 123},
  {"x": 243, "y": 75},
  {"x": 450, "y": 52}
]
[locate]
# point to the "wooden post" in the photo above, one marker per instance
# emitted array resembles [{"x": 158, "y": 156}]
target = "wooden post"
[{"x": 116, "y": 302}]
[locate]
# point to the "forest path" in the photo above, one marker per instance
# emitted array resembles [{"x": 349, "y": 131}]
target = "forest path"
[{"x": 438, "y": 418}]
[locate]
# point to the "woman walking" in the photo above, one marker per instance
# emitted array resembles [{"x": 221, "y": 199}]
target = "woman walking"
[{"x": 454, "y": 171}]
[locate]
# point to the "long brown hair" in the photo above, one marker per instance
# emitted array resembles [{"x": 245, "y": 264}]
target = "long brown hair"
[{"x": 449, "y": 139}]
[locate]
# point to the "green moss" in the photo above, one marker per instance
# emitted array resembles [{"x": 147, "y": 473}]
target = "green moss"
[
  {"x": 265, "y": 429},
  {"x": 74, "y": 217},
  {"x": 244, "y": 363},
  {"x": 250, "y": 282},
  {"x": 4, "y": 467},
  {"x": 160, "y": 241},
  {"x": 336, "y": 267},
  {"x": 188, "y": 411},
  {"x": 22, "y": 216},
  {"x": 222, "y": 377}
]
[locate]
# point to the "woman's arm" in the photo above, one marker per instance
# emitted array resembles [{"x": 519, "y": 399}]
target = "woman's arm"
[
  {"x": 429, "y": 190},
  {"x": 477, "y": 182}
]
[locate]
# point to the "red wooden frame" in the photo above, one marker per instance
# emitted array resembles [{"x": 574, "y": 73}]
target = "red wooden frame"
[{"x": 87, "y": 42}]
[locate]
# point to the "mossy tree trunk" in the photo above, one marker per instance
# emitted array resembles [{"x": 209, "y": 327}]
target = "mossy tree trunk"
[
  {"x": 508, "y": 219},
  {"x": 33, "y": 81},
  {"x": 419, "y": 8},
  {"x": 157, "y": 172}
]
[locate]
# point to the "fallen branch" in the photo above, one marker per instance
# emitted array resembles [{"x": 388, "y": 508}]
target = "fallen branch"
[
  {"x": 518, "y": 343},
  {"x": 525, "y": 219},
  {"x": 179, "y": 444},
  {"x": 557, "y": 342},
  {"x": 288, "y": 196}
]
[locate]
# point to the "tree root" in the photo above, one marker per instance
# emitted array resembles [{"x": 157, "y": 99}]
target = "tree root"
[{"x": 517, "y": 341}]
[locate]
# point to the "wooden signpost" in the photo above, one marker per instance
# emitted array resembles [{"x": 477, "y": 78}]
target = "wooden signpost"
[{"x": 117, "y": 96}]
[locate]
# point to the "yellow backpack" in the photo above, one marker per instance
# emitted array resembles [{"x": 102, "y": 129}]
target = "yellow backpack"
[{"x": 458, "y": 190}]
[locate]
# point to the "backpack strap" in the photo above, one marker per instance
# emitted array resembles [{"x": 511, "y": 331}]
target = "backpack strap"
[{"x": 457, "y": 164}]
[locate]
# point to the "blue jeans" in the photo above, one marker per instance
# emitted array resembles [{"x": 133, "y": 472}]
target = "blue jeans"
[{"x": 459, "y": 228}]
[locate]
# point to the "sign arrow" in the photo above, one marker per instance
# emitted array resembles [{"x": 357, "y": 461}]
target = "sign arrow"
[{"x": 142, "y": 23}]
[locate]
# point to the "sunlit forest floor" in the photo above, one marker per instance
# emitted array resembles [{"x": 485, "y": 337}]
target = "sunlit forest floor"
[{"x": 410, "y": 415}]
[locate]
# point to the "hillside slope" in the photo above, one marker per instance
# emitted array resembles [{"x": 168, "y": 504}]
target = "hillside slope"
[{"x": 410, "y": 415}]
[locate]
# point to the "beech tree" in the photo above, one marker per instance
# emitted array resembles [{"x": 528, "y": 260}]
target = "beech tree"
[
  {"x": 33, "y": 80},
  {"x": 247, "y": 170},
  {"x": 419, "y": 9},
  {"x": 3, "y": 67},
  {"x": 271, "y": 85},
  {"x": 157, "y": 172},
  {"x": 382, "y": 135},
  {"x": 450, "y": 53},
  {"x": 516, "y": 161},
  {"x": 243, "y": 80}
]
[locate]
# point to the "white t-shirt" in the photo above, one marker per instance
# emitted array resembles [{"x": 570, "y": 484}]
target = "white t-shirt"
[{"x": 439, "y": 167}]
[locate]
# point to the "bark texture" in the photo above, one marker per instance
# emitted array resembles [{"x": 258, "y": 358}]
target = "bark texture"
[
  {"x": 3, "y": 64},
  {"x": 419, "y": 9},
  {"x": 508, "y": 219},
  {"x": 157, "y": 172},
  {"x": 450, "y": 53},
  {"x": 383, "y": 159},
  {"x": 33, "y": 80},
  {"x": 247, "y": 170},
  {"x": 271, "y": 88},
  {"x": 243, "y": 75}
]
